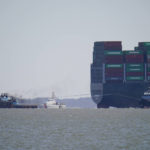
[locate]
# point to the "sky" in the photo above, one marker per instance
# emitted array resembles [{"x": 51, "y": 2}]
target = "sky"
[{"x": 46, "y": 45}]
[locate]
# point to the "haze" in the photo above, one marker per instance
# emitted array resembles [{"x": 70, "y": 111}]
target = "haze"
[{"x": 46, "y": 45}]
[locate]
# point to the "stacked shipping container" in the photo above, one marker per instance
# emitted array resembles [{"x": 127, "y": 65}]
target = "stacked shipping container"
[
  {"x": 97, "y": 67},
  {"x": 114, "y": 72},
  {"x": 148, "y": 65},
  {"x": 113, "y": 61},
  {"x": 113, "y": 57},
  {"x": 134, "y": 65},
  {"x": 110, "y": 63},
  {"x": 145, "y": 48},
  {"x": 134, "y": 56}
]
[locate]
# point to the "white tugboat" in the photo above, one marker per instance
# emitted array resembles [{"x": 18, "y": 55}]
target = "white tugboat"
[{"x": 51, "y": 103}]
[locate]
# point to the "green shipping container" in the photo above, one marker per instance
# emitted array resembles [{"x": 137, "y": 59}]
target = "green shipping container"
[
  {"x": 135, "y": 65},
  {"x": 133, "y": 52},
  {"x": 147, "y": 48},
  {"x": 147, "y": 44},
  {"x": 114, "y": 65},
  {"x": 134, "y": 69},
  {"x": 135, "y": 78},
  {"x": 148, "y": 69},
  {"x": 113, "y": 53},
  {"x": 148, "y": 77},
  {"x": 148, "y": 52}
]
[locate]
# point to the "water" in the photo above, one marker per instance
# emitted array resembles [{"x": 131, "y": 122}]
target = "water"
[{"x": 74, "y": 129}]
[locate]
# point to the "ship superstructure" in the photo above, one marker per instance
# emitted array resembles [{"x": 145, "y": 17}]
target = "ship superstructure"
[{"x": 119, "y": 77}]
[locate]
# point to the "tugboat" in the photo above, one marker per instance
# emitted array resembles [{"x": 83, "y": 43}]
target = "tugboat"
[
  {"x": 7, "y": 101},
  {"x": 145, "y": 101},
  {"x": 51, "y": 103}
]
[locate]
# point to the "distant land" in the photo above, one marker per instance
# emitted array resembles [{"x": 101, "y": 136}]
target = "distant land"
[{"x": 85, "y": 102}]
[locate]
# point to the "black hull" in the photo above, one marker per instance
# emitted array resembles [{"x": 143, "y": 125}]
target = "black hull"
[
  {"x": 7, "y": 101},
  {"x": 25, "y": 106},
  {"x": 118, "y": 101},
  {"x": 11, "y": 105},
  {"x": 144, "y": 103},
  {"x": 6, "y": 105},
  {"x": 122, "y": 95}
]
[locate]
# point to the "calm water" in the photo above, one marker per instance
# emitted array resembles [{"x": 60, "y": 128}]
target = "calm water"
[{"x": 74, "y": 129}]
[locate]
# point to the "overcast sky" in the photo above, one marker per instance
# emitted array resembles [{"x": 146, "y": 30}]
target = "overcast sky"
[{"x": 46, "y": 45}]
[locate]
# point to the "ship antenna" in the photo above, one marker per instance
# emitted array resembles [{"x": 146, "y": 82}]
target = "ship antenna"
[{"x": 53, "y": 95}]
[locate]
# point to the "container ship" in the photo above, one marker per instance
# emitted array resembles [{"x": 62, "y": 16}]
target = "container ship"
[{"x": 119, "y": 77}]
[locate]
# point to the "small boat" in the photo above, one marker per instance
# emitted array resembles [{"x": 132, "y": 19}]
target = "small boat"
[
  {"x": 145, "y": 100},
  {"x": 51, "y": 103},
  {"x": 7, "y": 101}
]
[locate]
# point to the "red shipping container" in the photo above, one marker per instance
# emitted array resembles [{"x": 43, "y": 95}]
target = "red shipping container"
[
  {"x": 114, "y": 59},
  {"x": 112, "y": 43},
  {"x": 114, "y": 73},
  {"x": 134, "y": 58},
  {"x": 107, "y": 57},
  {"x": 114, "y": 81},
  {"x": 148, "y": 60},
  {"x": 134, "y": 61},
  {"x": 148, "y": 73},
  {"x": 134, "y": 73},
  {"x": 112, "y": 70},
  {"x": 119, "y": 48}
]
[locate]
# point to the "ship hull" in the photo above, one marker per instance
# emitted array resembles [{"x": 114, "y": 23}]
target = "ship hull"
[
  {"x": 5, "y": 104},
  {"x": 121, "y": 95},
  {"x": 145, "y": 103},
  {"x": 11, "y": 105},
  {"x": 7, "y": 101}
]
